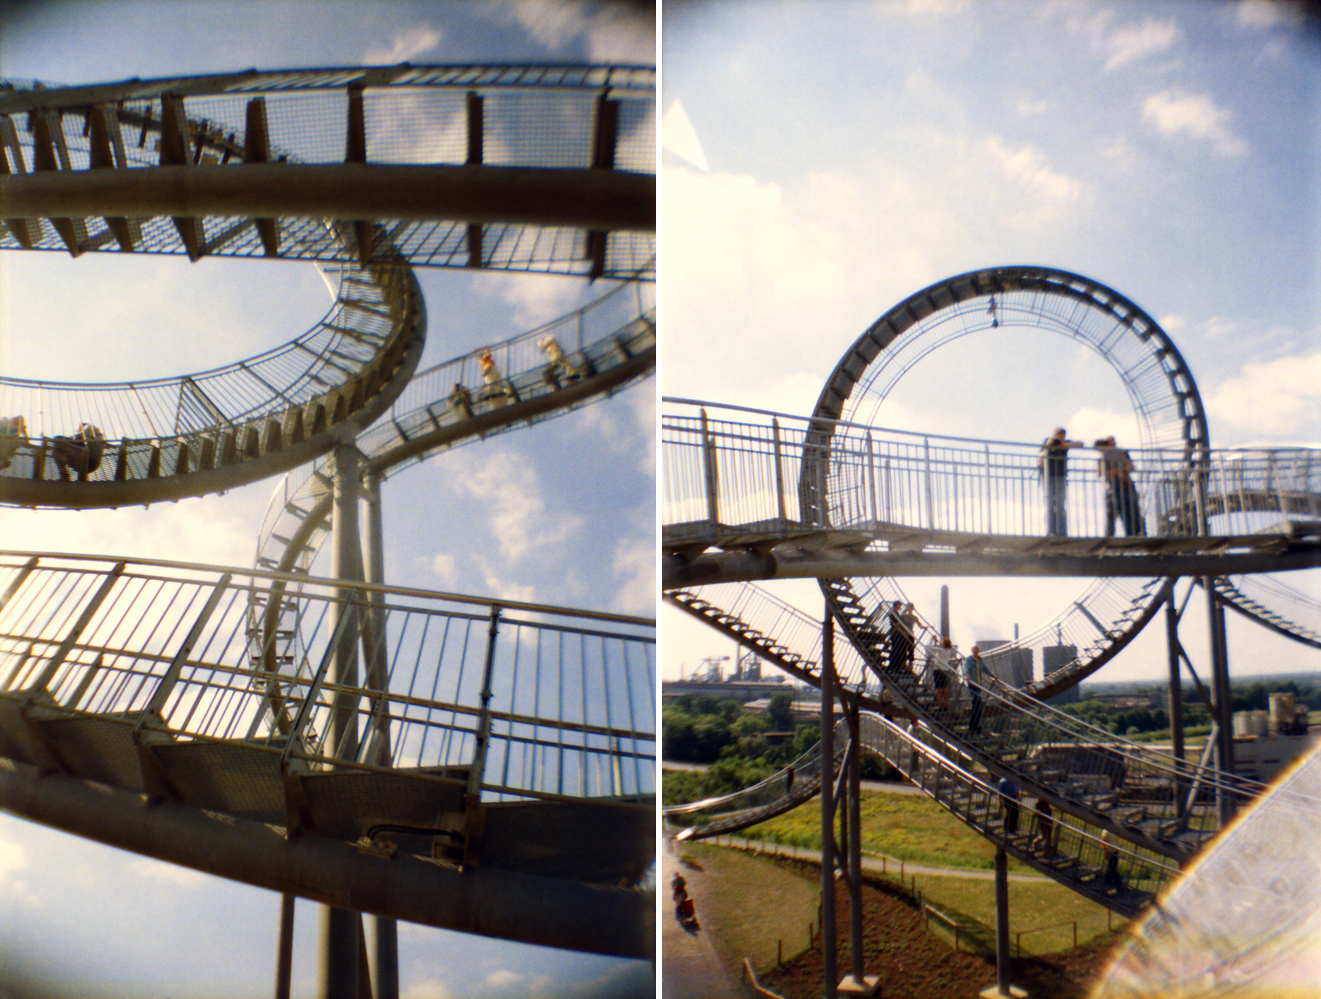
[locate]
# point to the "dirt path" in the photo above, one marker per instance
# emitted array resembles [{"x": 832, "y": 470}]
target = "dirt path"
[{"x": 690, "y": 967}]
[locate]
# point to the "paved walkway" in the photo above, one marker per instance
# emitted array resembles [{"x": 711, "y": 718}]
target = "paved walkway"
[{"x": 690, "y": 967}]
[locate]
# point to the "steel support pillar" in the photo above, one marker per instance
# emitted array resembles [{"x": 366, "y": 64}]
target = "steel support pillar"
[
  {"x": 1220, "y": 696},
  {"x": 855, "y": 845},
  {"x": 1002, "y": 922},
  {"x": 828, "y": 940},
  {"x": 341, "y": 929},
  {"x": 385, "y": 935},
  {"x": 1175, "y": 696},
  {"x": 285, "y": 954}
]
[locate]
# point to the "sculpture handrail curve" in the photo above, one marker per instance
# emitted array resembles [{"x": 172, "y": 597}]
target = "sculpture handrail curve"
[{"x": 193, "y": 434}]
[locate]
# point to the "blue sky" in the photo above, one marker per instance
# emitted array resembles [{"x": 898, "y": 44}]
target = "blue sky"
[
  {"x": 852, "y": 153},
  {"x": 109, "y": 921}
]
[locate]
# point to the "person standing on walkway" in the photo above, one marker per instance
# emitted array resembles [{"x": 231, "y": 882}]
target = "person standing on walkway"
[
  {"x": 1052, "y": 463},
  {"x": 972, "y": 678},
  {"x": 942, "y": 667},
  {"x": 1121, "y": 496},
  {"x": 1009, "y": 796}
]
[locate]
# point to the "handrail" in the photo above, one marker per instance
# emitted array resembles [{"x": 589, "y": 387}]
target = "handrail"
[
  {"x": 954, "y": 486},
  {"x": 163, "y": 650}
]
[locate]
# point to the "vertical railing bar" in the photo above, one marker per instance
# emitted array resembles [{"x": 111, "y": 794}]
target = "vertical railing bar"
[
  {"x": 318, "y": 680},
  {"x": 156, "y": 705},
  {"x": 66, "y": 646}
]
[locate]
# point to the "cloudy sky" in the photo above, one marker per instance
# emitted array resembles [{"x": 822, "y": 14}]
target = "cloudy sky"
[
  {"x": 522, "y": 516},
  {"x": 826, "y": 160}
]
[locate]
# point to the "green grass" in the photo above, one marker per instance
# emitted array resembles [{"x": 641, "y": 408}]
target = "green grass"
[
  {"x": 755, "y": 905},
  {"x": 1042, "y": 911},
  {"x": 910, "y": 827}
]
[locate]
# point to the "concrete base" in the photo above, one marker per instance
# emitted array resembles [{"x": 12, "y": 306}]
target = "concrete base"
[
  {"x": 993, "y": 992},
  {"x": 868, "y": 987}
]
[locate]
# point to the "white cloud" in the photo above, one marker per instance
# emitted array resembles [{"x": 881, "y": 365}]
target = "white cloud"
[
  {"x": 533, "y": 297},
  {"x": 1028, "y": 167},
  {"x": 1122, "y": 154},
  {"x": 634, "y": 567},
  {"x": 1195, "y": 116},
  {"x": 427, "y": 988},
  {"x": 1217, "y": 327},
  {"x": 404, "y": 46},
  {"x": 445, "y": 570},
  {"x": 503, "y": 979},
  {"x": 938, "y": 7},
  {"x": 1151, "y": 37},
  {"x": 12, "y": 860},
  {"x": 613, "y": 32},
  {"x": 1267, "y": 14},
  {"x": 1276, "y": 399},
  {"x": 680, "y": 138},
  {"x": 511, "y": 492},
  {"x": 170, "y": 874}
]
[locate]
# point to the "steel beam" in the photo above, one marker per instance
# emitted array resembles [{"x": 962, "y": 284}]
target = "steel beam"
[
  {"x": 607, "y": 200},
  {"x": 507, "y": 905},
  {"x": 747, "y": 566}
]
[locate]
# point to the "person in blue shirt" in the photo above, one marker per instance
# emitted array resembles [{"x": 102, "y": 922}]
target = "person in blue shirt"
[
  {"x": 1010, "y": 791},
  {"x": 972, "y": 674}
]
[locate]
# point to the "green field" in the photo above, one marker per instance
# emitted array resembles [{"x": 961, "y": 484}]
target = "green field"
[
  {"x": 755, "y": 906},
  {"x": 760, "y": 906},
  {"x": 911, "y": 827}
]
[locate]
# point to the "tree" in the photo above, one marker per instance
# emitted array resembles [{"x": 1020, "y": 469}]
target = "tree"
[{"x": 780, "y": 714}]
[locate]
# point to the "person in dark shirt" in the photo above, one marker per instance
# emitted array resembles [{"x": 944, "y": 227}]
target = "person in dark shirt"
[{"x": 1052, "y": 462}]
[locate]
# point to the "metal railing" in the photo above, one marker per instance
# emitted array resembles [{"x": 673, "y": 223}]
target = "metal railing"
[
  {"x": 371, "y": 309},
  {"x": 1067, "y": 847},
  {"x": 779, "y": 475},
  {"x": 530, "y": 701}
]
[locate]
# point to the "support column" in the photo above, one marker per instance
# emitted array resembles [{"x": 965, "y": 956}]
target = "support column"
[
  {"x": 385, "y": 935},
  {"x": 284, "y": 964},
  {"x": 1002, "y": 986},
  {"x": 1220, "y": 696},
  {"x": 828, "y": 806},
  {"x": 858, "y": 983},
  {"x": 1175, "y": 696},
  {"x": 341, "y": 929}
]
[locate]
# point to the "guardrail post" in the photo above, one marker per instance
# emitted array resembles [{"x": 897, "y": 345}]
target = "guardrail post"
[
  {"x": 779, "y": 471},
  {"x": 1002, "y": 920},
  {"x": 988, "y": 525},
  {"x": 710, "y": 474},
  {"x": 871, "y": 480},
  {"x": 484, "y": 718},
  {"x": 342, "y": 929},
  {"x": 926, "y": 474}
]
